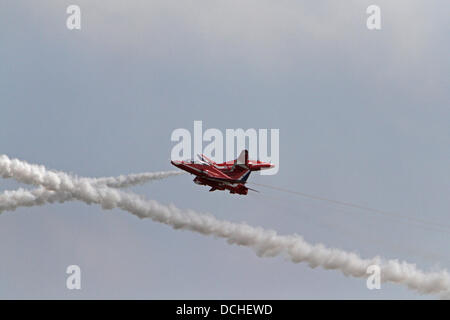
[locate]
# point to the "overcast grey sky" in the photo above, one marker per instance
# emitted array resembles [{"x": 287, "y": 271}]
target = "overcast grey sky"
[{"x": 363, "y": 117}]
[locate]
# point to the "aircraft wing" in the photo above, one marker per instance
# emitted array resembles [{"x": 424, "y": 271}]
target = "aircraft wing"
[{"x": 215, "y": 173}]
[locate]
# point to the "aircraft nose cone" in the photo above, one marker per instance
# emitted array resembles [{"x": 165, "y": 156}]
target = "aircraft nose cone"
[{"x": 176, "y": 163}]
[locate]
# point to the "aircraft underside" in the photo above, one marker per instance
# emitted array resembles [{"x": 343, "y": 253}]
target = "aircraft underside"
[{"x": 237, "y": 188}]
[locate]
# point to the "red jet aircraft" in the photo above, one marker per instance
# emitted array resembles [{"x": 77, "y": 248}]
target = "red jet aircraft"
[{"x": 230, "y": 175}]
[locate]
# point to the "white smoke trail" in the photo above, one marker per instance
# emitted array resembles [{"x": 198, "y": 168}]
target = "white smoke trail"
[
  {"x": 11, "y": 200},
  {"x": 265, "y": 243},
  {"x": 124, "y": 181}
]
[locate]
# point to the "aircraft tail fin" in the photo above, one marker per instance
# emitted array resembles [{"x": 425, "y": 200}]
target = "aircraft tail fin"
[{"x": 243, "y": 158}]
